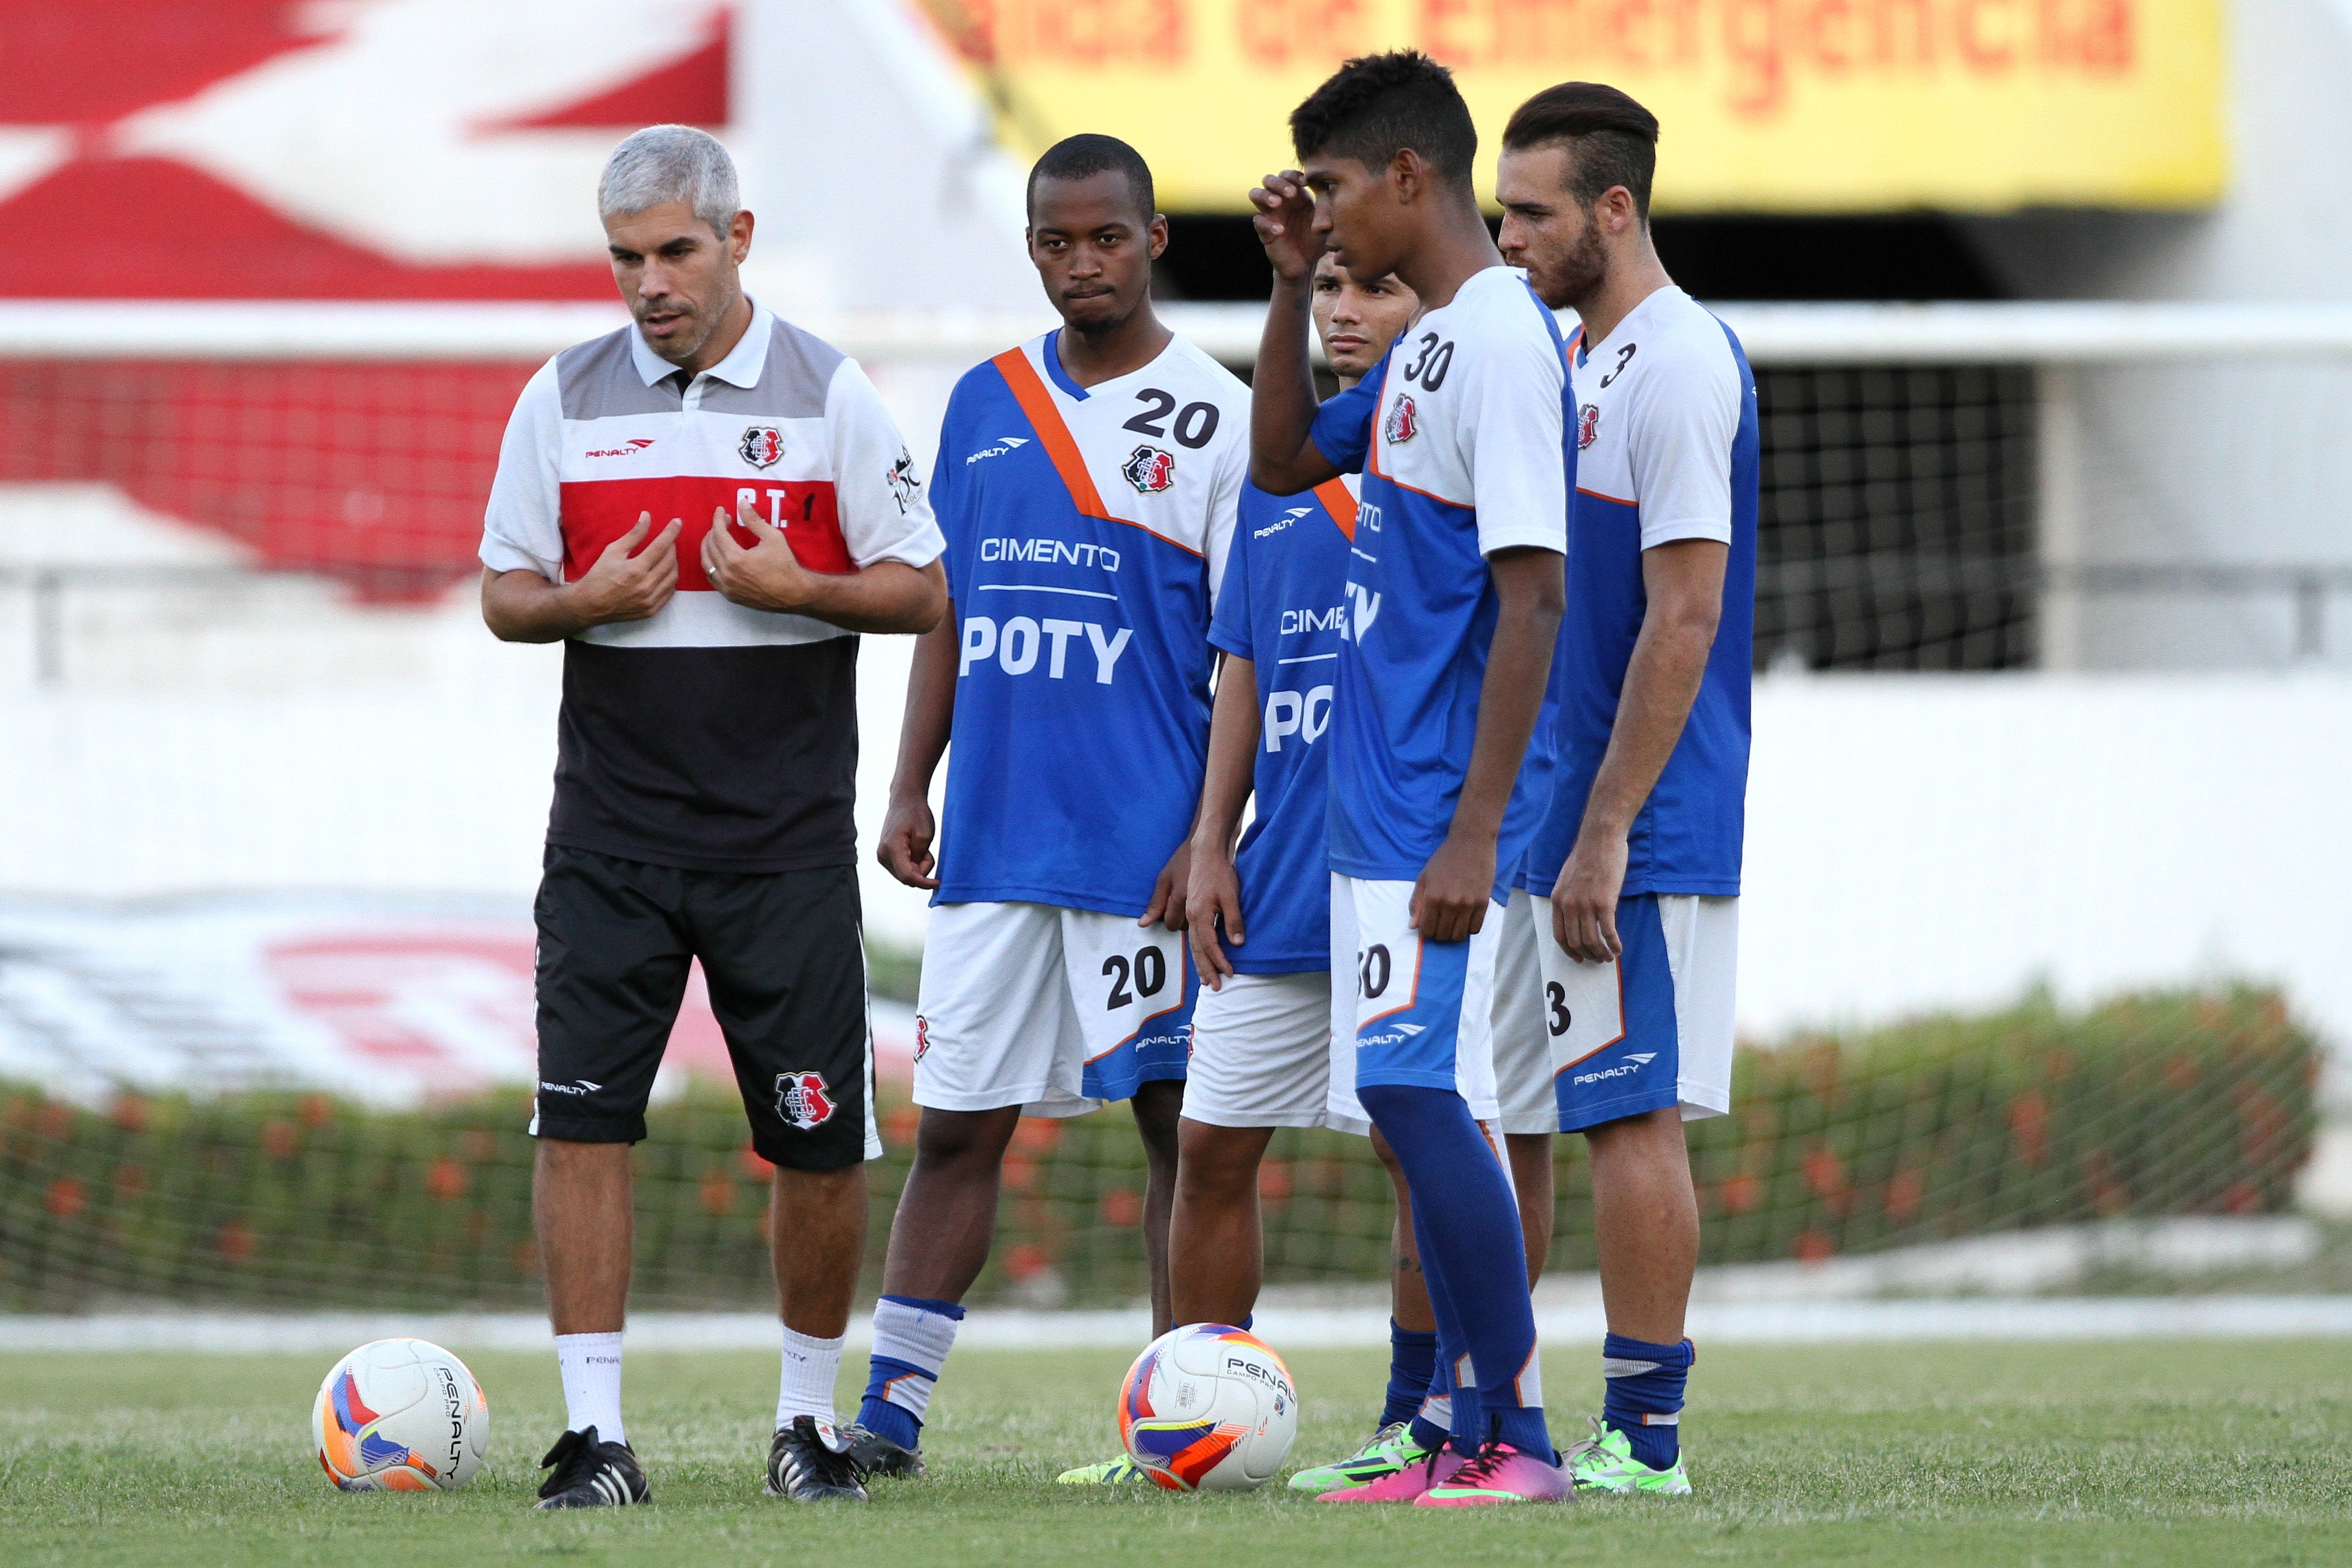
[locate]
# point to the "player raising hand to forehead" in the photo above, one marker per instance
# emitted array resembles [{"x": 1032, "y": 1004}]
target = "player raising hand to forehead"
[{"x": 1452, "y": 598}]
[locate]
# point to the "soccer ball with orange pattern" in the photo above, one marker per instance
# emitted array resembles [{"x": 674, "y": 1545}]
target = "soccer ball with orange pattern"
[
  {"x": 1208, "y": 1407},
  {"x": 401, "y": 1415}
]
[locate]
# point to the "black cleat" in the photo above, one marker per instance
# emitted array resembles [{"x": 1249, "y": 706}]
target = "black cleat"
[
  {"x": 879, "y": 1456},
  {"x": 805, "y": 1466},
  {"x": 590, "y": 1474}
]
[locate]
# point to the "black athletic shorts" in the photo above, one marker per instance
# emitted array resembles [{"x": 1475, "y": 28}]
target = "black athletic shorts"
[{"x": 783, "y": 955}]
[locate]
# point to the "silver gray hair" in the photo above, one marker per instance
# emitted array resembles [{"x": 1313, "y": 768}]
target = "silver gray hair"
[{"x": 671, "y": 163}]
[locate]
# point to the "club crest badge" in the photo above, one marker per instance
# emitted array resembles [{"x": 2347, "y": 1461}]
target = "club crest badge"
[
  {"x": 1150, "y": 469},
  {"x": 1404, "y": 422},
  {"x": 804, "y": 1100},
  {"x": 922, "y": 1036},
  {"x": 761, "y": 446},
  {"x": 1587, "y": 420},
  {"x": 902, "y": 481}
]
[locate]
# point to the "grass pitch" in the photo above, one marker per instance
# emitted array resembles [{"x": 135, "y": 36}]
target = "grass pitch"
[{"x": 2140, "y": 1453}]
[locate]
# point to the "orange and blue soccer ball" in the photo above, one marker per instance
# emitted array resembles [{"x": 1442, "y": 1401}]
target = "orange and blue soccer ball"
[
  {"x": 401, "y": 1415},
  {"x": 1209, "y": 1408}
]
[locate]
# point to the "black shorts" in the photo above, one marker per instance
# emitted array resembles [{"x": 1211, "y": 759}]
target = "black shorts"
[{"x": 783, "y": 955}]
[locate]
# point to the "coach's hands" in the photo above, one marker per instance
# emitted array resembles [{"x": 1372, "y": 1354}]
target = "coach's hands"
[
  {"x": 1451, "y": 896},
  {"x": 907, "y": 829},
  {"x": 627, "y": 584},
  {"x": 1286, "y": 225},
  {"x": 1584, "y": 899},
  {"x": 767, "y": 575},
  {"x": 1168, "y": 892},
  {"x": 1214, "y": 893}
]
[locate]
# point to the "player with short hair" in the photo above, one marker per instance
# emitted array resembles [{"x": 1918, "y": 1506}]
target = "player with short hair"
[
  {"x": 1453, "y": 596},
  {"x": 1641, "y": 852},
  {"x": 706, "y": 770},
  {"x": 1262, "y": 1034},
  {"x": 1087, "y": 485}
]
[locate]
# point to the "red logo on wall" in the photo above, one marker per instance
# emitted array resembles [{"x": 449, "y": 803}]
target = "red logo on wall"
[{"x": 802, "y": 1099}]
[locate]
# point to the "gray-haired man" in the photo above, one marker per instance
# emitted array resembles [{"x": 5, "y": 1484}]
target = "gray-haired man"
[{"x": 702, "y": 506}]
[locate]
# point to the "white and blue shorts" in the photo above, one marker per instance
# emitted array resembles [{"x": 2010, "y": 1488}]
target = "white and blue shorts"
[
  {"x": 1522, "y": 1020},
  {"x": 1655, "y": 1029},
  {"x": 1057, "y": 1010},
  {"x": 1415, "y": 1014}
]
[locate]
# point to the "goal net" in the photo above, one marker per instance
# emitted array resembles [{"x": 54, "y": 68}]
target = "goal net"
[{"x": 275, "y": 804}]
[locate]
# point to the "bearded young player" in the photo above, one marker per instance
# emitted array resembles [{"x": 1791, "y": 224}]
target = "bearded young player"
[
  {"x": 1258, "y": 917},
  {"x": 1087, "y": 485},
  {"x": 1453, "y": 596},
  {"x": 1645, "y": 828}
]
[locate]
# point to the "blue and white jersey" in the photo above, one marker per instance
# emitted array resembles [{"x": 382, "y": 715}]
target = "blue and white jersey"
[
  {"x": 1461, "y": 436},
  {"x": 1086, "y": 531},
  {"x": 1282, "y": 608},
  {"x": 1667, "y": 437}
]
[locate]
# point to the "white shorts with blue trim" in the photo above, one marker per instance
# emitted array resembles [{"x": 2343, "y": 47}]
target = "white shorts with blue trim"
[
  {"x": 1523, "y": 1018},
  {"x": 1418, "y": 1015},
  {"x": 1655, "y": 1029},
  {"x": 1057, "y": 1010}
]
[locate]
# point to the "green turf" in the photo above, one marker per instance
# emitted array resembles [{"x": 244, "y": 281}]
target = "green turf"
[{"x": 2142, "y": 1453}]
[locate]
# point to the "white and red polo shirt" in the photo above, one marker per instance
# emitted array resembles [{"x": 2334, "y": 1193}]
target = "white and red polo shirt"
[{"x": 708, "y": 736}]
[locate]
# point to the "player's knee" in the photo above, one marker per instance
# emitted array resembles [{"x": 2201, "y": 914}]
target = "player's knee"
[
  {"x": 1386, "y": 1156},
  {"x": 958, "y": 1139},
  {"x": 1218, "y": 1162},
  {"x": 1632, "y": 1137}
]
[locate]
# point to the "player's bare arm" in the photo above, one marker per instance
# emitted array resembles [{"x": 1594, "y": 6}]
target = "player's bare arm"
[
  {"x": 907, "y": 825},
  {"x": 1216, "y": 889},
  {"x": 631, "y": 581},
  {"x": 887, "y": 597},
  {"x": 1450, "y": 898},
  {"x": 1283, "y": 460},
  {"x": 1684, "y": 581}
]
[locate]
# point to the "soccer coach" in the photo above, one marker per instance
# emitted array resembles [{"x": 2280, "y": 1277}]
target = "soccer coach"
[{"x": 704, "y": 507}]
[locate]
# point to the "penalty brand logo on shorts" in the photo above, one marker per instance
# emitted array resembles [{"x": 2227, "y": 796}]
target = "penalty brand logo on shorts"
[
  {"x": 804, "y": 1099},
  {"x": 761, "y": 446},
  {"x": 1150, "y": 469},
  {"x": 1634, "y": 1062}
]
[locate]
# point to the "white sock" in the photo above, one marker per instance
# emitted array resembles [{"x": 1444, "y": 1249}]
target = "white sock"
[
  {"x": 592, "y": 1384},
  {"x": 915, "y": 1341},
  {"x": 811, "y": 1366}
]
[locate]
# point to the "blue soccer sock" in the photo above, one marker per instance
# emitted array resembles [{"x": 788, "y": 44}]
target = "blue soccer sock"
[
  {"x": 1646, "y": 1395},
  {"x": 1412, "y": 1358},
  {"x": 912, "y": 1336},
  {"x": 1472, "y": 1252},
  {"x": 1460, "y": 1415}
]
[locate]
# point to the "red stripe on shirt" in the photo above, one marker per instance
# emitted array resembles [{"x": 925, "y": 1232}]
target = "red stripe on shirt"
[{"x": 598, "y": 511}]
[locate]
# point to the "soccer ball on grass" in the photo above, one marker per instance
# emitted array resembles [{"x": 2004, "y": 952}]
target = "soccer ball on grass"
[
  {"x": 1208, "y": 1407},
  {"x": 401, "y": 1416}
]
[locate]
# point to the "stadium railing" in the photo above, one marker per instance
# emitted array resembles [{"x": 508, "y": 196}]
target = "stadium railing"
[{"x": 1946, "y": 486}]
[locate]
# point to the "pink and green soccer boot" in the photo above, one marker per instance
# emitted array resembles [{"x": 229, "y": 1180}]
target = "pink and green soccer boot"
[{"x": 1500, "y": 1474}]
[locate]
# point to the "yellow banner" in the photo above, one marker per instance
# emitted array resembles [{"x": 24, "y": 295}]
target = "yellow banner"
[{"x": 1767, "y": 105}]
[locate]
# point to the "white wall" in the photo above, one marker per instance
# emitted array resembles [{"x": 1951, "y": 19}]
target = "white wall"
[
  {"x": 1914, "y": 841},
  {"x": 2224, "y": 462}
]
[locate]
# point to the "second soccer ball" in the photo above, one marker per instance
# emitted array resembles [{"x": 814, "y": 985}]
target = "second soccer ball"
[{"x": 1207, "y": 1407}]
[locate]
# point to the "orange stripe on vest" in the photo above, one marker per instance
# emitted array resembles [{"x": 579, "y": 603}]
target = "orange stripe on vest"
[
  {"x": 1037, "y": 404},
  {"x": 1333, "y": 494}
]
